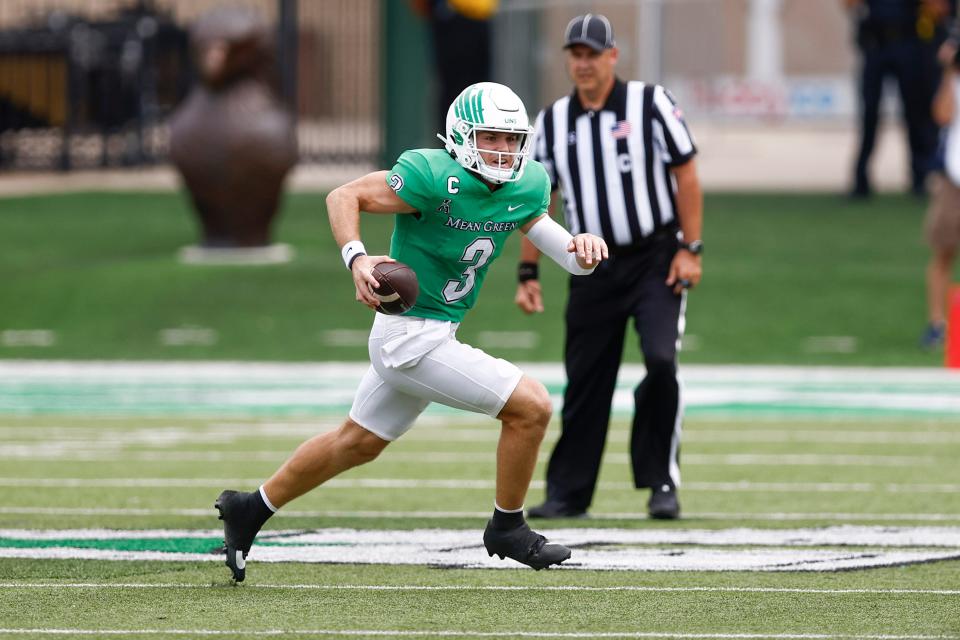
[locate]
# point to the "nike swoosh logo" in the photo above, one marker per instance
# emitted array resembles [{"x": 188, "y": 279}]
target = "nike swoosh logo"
[{"x": 514, "y": 207}]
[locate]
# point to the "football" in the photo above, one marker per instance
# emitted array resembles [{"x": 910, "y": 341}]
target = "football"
[{"x": 398, "y": 287}]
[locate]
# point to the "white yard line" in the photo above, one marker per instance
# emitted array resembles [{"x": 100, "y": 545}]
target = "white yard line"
[
  {"x": 459, "y": 485},
  {"x": 92, "y": 452},
  {"x": 477, "y": 634},
  {"x": 561, "y": 588},
  {"x": 86, "y": 435},
  {"x": 447, "y": 515},
  {"x": 813, "y": 436}
]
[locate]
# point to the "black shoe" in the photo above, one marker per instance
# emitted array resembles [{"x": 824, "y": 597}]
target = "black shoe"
[
  {"x": 663, "y": 504},
  {"x": 933, "y": 336},
  {"x": 523, "y": 545},
  {"x": 859, "y": 193},
  {"x": 918, "y": 188},
  {"x": 241, "y": 523},
  {"x": 555, "y": 510}
]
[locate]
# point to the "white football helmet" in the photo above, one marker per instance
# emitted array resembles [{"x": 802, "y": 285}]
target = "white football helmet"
[{"x": 488, "y": 106}]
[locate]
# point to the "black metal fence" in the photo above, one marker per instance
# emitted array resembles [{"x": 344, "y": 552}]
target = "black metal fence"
[{"x": 92, "y": 83}]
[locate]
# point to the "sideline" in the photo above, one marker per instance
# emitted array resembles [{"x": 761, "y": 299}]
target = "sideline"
[{"x": 39, "y": 387}]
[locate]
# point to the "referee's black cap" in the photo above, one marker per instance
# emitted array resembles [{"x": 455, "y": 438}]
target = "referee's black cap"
[{"x": 591, "y": 29}]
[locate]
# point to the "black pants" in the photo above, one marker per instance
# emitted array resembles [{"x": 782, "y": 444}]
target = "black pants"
[
  {"x": 598, "y": 310},
  {"x": 913, "y": 64},
  {"x": 462, "y": 53}
]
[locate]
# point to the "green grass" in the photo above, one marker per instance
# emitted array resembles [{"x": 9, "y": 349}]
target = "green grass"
[
  {"x": 199, "y": 596},
  {"x": 204, "y": 604},
  {"x": 101, "y": 271}
]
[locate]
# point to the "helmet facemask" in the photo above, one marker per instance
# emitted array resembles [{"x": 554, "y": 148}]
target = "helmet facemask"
[
  {"x": 486, "y": 108},
  {"x": 504, "y": 165}
]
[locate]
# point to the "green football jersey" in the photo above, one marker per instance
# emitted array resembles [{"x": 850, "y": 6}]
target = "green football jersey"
[{"x": 459, "y": 228}]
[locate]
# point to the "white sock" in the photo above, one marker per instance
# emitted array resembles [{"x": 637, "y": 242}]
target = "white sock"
[{"x": 266, "y": 500}]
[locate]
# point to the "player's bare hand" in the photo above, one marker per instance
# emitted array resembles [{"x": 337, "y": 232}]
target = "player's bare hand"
[
  {"x": 590, "y": 249},
  {"x": 529, "y": 297},
  {"x": 685, "y": 271},
  {"x": 364, "y": 280},
  {"x": 947, "y": 53}
]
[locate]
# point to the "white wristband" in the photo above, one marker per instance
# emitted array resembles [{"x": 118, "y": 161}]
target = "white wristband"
[{"x": 351, "y": 251}]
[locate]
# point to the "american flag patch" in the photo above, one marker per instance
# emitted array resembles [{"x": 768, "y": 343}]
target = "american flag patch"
[{"x": 620, "y": 130}]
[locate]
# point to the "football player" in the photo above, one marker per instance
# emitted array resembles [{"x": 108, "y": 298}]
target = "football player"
[{"x": 457, "y": 206}]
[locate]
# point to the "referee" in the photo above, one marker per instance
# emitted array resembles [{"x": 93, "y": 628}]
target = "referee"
[{"x": 622, "y": 158}]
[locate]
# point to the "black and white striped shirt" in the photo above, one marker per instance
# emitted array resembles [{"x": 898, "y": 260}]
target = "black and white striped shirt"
[{"x": 613, "y": 165}]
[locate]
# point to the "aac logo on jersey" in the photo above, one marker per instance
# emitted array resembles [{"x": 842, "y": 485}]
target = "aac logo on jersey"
[
  {"x": 444, "y": 207},
  {"x": 396, "y": 182}
]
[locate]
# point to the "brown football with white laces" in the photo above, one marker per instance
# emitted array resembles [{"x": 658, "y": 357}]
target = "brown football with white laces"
[{"x": 398, "y": 289}]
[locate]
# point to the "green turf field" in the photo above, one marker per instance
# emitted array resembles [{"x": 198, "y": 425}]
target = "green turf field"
[
  {"x": 818, "y": 504},
  {"x": 153, "y": 480},
  {"x": 789, "y": 279}
]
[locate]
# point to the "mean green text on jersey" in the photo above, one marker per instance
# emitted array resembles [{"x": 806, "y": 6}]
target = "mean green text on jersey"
[{"x": 459, "y": 228}]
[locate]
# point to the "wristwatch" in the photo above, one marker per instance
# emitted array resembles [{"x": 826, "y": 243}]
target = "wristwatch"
[{"x": 694, "y": 246}]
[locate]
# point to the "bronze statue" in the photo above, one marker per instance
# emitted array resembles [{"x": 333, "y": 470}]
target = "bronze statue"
[{"x": 231, "y": 139}]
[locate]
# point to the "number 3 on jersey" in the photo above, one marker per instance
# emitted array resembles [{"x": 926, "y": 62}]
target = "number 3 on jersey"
[{"x": 476, "y": 254}]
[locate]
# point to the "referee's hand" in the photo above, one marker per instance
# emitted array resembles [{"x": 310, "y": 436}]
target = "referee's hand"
[
  {"x": 685, "y": 271},
  {"x": 529, "y": 297}
]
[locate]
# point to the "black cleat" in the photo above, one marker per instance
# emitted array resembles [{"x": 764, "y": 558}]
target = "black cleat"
[
  {"x": 553, "y": 510},
  {"x": 523, "y": 545},
  {"x": 240, "y": 527},
  {"x": 663, "y": 504}
]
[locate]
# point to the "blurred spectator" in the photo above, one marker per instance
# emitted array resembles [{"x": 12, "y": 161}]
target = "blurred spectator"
[
  {"x": 942, "y": 226},
  {"x": 899, "y": 38},
  {"x": 461, "y": 38}
]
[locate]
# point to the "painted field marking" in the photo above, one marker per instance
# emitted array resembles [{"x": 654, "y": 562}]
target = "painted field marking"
[
  {"x": 188, "y": 336},
  {"x": 477, "y": 634},
  {"x": 429, "y": 430},
  {"x": 830, "y": 344},
  {"x": 203, "y": 434},
  {"x": 98, "y": 388},
  {"x": 27, "y": 338},
  {"x": 344, "y": 337},
  {"x": 738, "y": 549},
  {"x": 459, "y": 485},
  {"x": 482, "y": 587},
  {"x": 455, "y": 515},
  {"x": 810, "y": 436},
  {"x": 508, "y": 339},
  {"x": 842, "y": 535},
  {"x": 55, "y": 451}
]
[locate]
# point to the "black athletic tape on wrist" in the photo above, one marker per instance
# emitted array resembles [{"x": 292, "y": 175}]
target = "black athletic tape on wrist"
[
  {"x": 352, "y": 258},
  {"x": 528, "y": 271}
]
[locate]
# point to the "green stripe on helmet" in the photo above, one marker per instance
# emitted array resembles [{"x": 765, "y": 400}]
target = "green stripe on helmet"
[
  {"x": 469, "y": 106},
  {"x": 479, "y": 107}
]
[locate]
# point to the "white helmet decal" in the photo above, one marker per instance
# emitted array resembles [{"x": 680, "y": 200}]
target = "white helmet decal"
[{"x": 488, "y": 106}]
